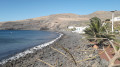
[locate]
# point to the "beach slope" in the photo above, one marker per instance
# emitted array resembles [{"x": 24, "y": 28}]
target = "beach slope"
[{"x": 54, "y": 55}]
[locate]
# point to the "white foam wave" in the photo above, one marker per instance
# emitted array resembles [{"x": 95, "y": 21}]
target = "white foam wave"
[{"x": 31, "y": 50}]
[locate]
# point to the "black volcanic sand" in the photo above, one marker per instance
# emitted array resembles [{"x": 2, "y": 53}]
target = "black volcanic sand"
[{"x": 73, "y": 42}]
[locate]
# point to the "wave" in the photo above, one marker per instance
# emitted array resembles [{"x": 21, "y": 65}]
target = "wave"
[{"x": 31, "y": 50}]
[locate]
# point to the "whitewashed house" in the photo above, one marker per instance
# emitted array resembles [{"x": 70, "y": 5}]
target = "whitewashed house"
[
  {"x": 116, "y": 18},
  {"x": 78, "y": 29},
  {"x": 71, "y": 27}
]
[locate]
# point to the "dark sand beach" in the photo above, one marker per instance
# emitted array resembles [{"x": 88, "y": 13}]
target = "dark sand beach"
[{"x": 75, "y": 43}]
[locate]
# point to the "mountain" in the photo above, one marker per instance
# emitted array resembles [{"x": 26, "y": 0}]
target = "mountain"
[
  {"x": 103, "y": 14},
  {"x": 55, "y": 22}
]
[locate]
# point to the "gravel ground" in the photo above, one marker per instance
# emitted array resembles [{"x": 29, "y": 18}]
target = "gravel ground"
[{"x": 75, "y": 43}]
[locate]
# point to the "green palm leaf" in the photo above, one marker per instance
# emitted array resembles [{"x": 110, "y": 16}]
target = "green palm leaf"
[{"x": 97, "y": 30}]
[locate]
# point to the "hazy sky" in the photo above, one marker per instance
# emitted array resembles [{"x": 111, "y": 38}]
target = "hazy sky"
[{"x": 11, "y": 10}]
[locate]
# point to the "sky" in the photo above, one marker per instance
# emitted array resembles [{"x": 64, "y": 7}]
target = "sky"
[{"x": 11, "y": 10}]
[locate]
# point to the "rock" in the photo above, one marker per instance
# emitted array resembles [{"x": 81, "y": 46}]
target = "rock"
[
  {"x": 104, "y": 62},
  {"x": 91, "y": 55},
  {"x": 96, "y": 64}
]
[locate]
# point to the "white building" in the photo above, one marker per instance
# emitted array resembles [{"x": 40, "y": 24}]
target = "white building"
[
  {"x": 78, "y": 29},
  {"x": 116, "y": 18},
  {"x": 70, "y": 27}
]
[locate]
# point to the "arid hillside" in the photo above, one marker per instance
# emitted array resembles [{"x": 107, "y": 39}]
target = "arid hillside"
[{"x": 55, "y": 22}]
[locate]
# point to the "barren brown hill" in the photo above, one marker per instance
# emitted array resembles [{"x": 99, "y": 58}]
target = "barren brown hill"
[
  {"x": 55, "y": 22},
  {"x": 103, "y": 14}
]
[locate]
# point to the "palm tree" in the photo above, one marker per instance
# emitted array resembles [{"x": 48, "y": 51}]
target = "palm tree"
[{"x": 97, "y": 30}]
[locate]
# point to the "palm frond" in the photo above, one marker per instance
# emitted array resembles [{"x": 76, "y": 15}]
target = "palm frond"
[{"x": 97, "y": 30}]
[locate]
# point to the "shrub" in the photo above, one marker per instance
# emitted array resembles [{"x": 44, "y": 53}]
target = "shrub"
[
  {"x": 117, "y": 48},
  {"x": 107, "y": 20}
]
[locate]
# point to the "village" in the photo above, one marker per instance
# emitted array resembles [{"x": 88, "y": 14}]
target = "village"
[{"x": 80, "y": 30}]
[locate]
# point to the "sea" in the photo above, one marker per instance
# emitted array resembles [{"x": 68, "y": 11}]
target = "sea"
[{"x": 13, "y": 42}]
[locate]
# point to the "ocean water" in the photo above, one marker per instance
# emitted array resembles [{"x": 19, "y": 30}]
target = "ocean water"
[{"x": 16, "y": 41}]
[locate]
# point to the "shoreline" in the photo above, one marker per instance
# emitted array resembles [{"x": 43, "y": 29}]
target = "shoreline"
[
  {"x": 71, "y": 41},
  {"x": 29, "y": 51}
]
